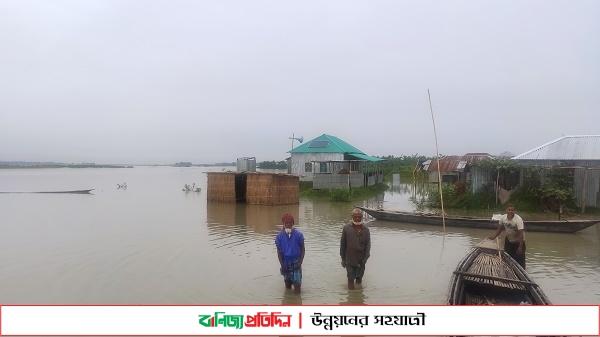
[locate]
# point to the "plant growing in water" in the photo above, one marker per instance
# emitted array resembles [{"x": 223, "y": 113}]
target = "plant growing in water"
[
  {"x": 191, "y": 188},
  {"x": 340, "y": 194}
]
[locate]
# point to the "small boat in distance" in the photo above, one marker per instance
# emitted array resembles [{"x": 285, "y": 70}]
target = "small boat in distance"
[
  {"x": 69, "y": 192},
  {"x": 558, "y": 226},
  {"x": 489, "y": 276}
]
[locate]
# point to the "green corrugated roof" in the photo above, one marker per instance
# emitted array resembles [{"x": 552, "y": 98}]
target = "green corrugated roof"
[
  {"x": 365, "y": 157},
  {"x": 330, "y": 144},
  {"x": 335, "y": 145}
]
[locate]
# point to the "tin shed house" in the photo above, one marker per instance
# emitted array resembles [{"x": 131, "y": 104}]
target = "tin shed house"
[
  {"x": 453, "y": 168},
  {"x": 578, "y": 153},
  {"x": 330, "y": 162}
]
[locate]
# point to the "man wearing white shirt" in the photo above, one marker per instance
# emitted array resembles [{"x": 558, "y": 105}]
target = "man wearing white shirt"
[{"x": 514, "y": 243}]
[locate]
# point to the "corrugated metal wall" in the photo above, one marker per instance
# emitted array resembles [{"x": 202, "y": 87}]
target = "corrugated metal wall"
[
  {"x": 592, "y": 190},
  {"x": 325, "y": 181},
  {"x": 299, "y": 160},
  {"x": 247, "y": 164},
  {"x": 592, "y": 195},
  {"x": 480, "y": 177}
]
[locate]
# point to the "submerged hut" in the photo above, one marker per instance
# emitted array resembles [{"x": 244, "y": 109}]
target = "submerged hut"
[{"x": 257, "y": 188}]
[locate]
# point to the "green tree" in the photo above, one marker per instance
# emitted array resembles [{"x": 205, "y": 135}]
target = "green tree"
[
  {"x": 556, "y": 191},
  {"x": 273, "y": 164}
]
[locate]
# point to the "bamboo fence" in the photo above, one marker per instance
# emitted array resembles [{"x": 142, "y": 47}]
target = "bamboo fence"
[
  {"x": 220, "y": 186},
  {"x": 272, "y": 189}
]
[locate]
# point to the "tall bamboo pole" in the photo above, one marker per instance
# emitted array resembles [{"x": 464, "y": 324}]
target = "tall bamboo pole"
[
  {"x": 438, "y": 163},
  {"x": 497, "y": 186}
]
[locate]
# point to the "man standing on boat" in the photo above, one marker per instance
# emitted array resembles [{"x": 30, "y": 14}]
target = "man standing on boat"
[
  {"x": 290, "y": 252},
  {"x": 514, "y": 243},
  {"x": 355, "y": 248}
]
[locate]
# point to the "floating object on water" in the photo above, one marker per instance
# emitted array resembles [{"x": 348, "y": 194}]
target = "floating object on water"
[
  {"x": 65, "y": 192},
  {"x": 192, "y": 188}
]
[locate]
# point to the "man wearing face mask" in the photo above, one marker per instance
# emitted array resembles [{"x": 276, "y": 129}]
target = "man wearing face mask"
[
  {"x": 290, "y": 251},
  {"x": 355, "y": 248}
]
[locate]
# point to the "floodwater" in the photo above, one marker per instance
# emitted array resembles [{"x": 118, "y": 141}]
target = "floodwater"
[{"x": 156, "y": 244}]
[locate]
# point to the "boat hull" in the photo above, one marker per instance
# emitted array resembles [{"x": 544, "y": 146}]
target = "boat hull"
[
  {"x": 62, "y": 192},
  {"x": 489, "y": 276},
  {"x": 71, "y": 192},
  {"x": 564, "y": 226}
]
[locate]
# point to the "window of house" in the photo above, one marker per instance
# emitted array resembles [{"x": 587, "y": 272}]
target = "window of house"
[{"x": 307, "y": 167}]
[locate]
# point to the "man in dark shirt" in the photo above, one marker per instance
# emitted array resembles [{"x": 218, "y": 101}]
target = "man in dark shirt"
[
  {"x": 355, "y": 248},
  {"x": 290, "y": 252}
]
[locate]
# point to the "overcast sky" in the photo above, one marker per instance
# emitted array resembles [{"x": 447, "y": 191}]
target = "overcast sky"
[{"x": 158, "y": 82}]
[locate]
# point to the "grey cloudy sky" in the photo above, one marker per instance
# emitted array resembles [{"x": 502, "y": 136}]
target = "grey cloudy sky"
[{"x": 210, "y": 81}]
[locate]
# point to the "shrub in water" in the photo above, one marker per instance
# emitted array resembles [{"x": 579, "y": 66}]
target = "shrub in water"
[
  {"x": 447, "y": 189},
  {"x": 340, "y": 194}
]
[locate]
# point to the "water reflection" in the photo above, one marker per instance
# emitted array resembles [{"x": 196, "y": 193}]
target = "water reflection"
[
  {"x": 399, "y": 196},
  {"x": 355, "y": 297},
  {"x": 259, "y": 219},
  {"x": 289, "y": 298},
  {"x": 375, "y": 202}
]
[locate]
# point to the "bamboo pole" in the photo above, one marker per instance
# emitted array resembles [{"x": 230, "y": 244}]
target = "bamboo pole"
[
  {"x": 497, "y": 186},
  {"x": 438, "y": 163}
]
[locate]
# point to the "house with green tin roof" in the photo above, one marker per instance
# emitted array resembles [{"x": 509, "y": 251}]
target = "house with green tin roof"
[{"x": 330, "y": 162}]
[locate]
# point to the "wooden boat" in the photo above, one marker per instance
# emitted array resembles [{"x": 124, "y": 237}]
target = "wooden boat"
[
  {"x": 69, "y": 192},
  {"x": 488, "y": 276},
  {"x": 559, "y": 226}
]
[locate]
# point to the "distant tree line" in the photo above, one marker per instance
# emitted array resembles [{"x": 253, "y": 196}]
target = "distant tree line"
[
  {"x": 402, "y": 163},
  {"x": 183, "y": 164},
  {"x": 30, "y": 163},
  {"x": 282, "y": 164},
  {"x": 218, "y": 164},
  {"x": 25, "y": 164}
]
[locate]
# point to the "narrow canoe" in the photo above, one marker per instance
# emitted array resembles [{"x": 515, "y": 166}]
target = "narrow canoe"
[
  {"x": 489, "y": 276},
  {"x": 558, "y": 226},
  {"x": 71, "y": 192}
]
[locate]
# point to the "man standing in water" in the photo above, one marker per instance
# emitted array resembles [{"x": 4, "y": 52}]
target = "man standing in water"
[
  {"x": 290, "y": 251},
  {"x": 355, "y": 248},
  {"x": 514, "y": 243}
]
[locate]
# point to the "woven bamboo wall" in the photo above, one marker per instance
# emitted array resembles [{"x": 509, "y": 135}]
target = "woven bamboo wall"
[
  {"x": 272, "y": 189},
  {"x": 220, "y": 186}
]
